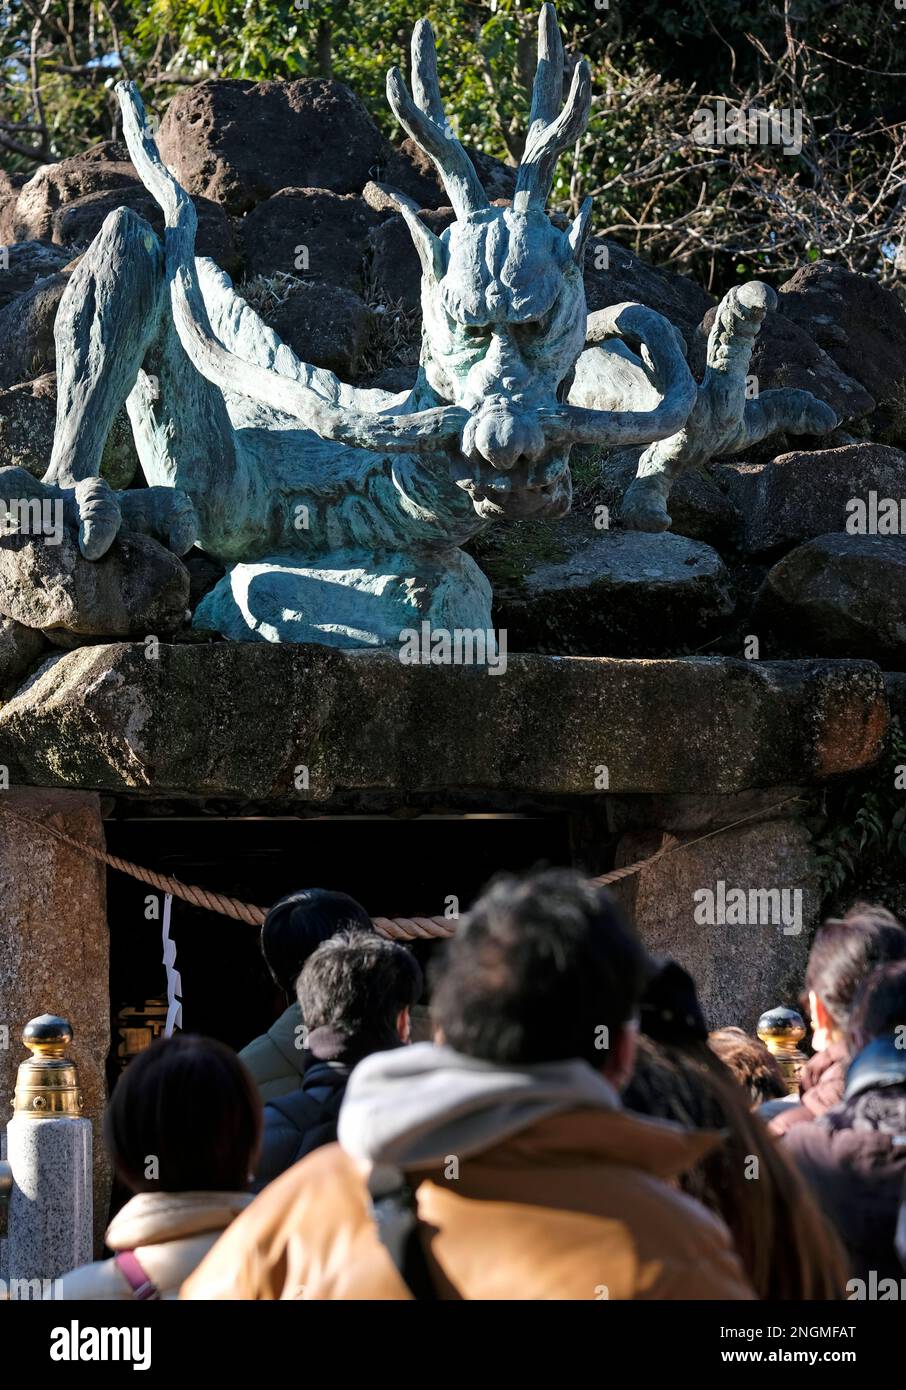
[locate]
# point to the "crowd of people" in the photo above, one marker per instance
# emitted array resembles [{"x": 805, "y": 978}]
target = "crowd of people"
[{"x": 556, "y": 1123}]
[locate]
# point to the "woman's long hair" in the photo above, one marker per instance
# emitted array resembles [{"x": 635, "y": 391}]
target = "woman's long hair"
[{"x": 787, "y": 1248}]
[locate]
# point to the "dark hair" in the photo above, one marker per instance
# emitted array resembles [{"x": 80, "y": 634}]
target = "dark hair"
[
  {"x": 880, "y": 1004},
  {"x": 788, "y": 1249},
  {"x": 355, "y": 984},
  {"x": 669, "y": 1010},
  {"x": 536, "y": 968},
  {"x": 845, "y": 950},
  {"x": 298, "y": 923},
  {"x": 188, "y": 1103},
  {"x": 750, "y": 1063}
]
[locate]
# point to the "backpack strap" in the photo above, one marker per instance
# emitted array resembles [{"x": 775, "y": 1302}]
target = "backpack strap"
[
  {"x": 398, "y": 1227},
  {"x": 135, "y": 1276}
]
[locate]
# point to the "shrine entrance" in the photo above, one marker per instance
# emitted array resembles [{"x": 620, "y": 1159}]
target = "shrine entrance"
[{"x": 394, "y": 866}]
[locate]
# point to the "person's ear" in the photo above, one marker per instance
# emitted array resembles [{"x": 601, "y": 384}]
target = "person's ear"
[
  {"x": 620, "y": 1056},
  {"x": 404, "y": 1025},
  {"x": 823, "y": 1026}
]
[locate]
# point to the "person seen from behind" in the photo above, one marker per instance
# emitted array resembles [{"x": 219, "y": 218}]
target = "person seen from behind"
[
  {"x": 294, "y": 928},
  {"x": 787, "y": 1248},
  {"x": 498, "y": 1163},
  {"x": 356, "y": 994},
  {"x": 183, "y": 1127}
]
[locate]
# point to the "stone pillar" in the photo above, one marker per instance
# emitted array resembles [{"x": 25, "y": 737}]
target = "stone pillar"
[
  {"x": 738, "y": 911},
  {"x": 54, "y": 948}
]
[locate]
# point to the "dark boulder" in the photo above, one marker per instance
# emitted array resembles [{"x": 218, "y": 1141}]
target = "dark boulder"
[
  {"x": 26, "y": 331},
  {"x": 26, "y": 262},
  {"x": 786, "y": 355},
  {"x": 56, "y": 185},
  {"x": 240, "y": 142},
  {"x": 309, "y": 232},
  {"x": 858, "y": 323},
  {"x": 800, "y": 495},
  {"x": 324, "y": 324},
  {"x": 837, "y": 595},
  {"x": 78, "y": 223}
]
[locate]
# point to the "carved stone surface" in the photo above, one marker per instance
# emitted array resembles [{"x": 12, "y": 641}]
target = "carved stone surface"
[
  {"x": 736, "y": 965},
  {"x": 613, "y": 591},
  {"x": 311, "y": 490},
  {"x": 240, "y": 721}
]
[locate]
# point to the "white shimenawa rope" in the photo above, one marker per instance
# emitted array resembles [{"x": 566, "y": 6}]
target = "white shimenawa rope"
[{"x": 174, "y": 980}]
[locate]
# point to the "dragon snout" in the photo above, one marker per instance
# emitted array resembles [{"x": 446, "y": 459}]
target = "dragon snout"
[{"x": 503, "y": 438}]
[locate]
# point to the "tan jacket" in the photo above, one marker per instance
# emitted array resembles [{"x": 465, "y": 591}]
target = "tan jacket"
[
  {"x": 578, "y": 1206},
  {"x": 170, "y": 1232}
]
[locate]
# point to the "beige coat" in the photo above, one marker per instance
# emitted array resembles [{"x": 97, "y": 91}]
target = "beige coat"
[
  {"x": 170, "y": 1232},
  {"x": 579, "y": 1206}
]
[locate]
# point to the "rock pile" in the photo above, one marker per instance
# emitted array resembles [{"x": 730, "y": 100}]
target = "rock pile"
[{"x": 795, "y": 548}]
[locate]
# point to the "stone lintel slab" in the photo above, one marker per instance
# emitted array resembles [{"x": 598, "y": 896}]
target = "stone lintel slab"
[{"x": 239, "y": 720}]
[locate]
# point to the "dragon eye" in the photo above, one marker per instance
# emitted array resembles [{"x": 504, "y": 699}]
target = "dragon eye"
[{"x": 534, "y": 329}]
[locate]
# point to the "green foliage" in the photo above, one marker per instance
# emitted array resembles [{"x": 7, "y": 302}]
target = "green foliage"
[
  {"x": 866, "y": 834},
  {"x": 717, "y": 214}
]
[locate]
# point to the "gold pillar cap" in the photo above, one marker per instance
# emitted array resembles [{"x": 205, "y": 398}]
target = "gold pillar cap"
[
  {"x": 780, "y": 1030},
  {"x": 781, "y": 1026},
  {"x": 47, "y": 1084}
]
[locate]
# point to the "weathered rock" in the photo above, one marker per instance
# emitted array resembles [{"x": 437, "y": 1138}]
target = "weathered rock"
[
  {"x": 698, "y": 507},
  {"x": 802, "y": 495},
  {"x": 239, "y": 142},
  {"x": 614, "y": 593},
  {"x": 27, "y": 262},
  {"x": 27, "y": 418},
  {"x": 54, "y": 947},
  {"x": 56, "y": 185},
  {"x": 8, "y": 202},
  {"x": 78, "y": 223},
  {"x": 682, "y": 815},
  {"x": 323, "y": 324},
  {"x": 895, "y": 683},
  {"x": 103, "y": 152},
  {"x": 309, "y": 232},
  {"x": 786, "y": 355},
  {"x": 27, "y": 347},
  {"x": 614, "y": 275},
  {"x": 27, "y": 422},
  {"x": 857, "y": 322},
  {"x": 238, "y": 719},
  {"x": 741, "y": 967},
  {"x": 838, "y": 595},
  {"x": 137, "y": 589},
  {"x": 20, "y": 648}
]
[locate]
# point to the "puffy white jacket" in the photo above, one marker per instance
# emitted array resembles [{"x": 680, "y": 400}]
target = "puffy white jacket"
[{"x": 170, "y": 1232}]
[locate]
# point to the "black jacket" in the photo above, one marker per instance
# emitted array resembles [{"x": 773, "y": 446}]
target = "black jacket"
[
  {"x": 854, "y": 1158},
  {"x": 296, "y": 1124}
]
